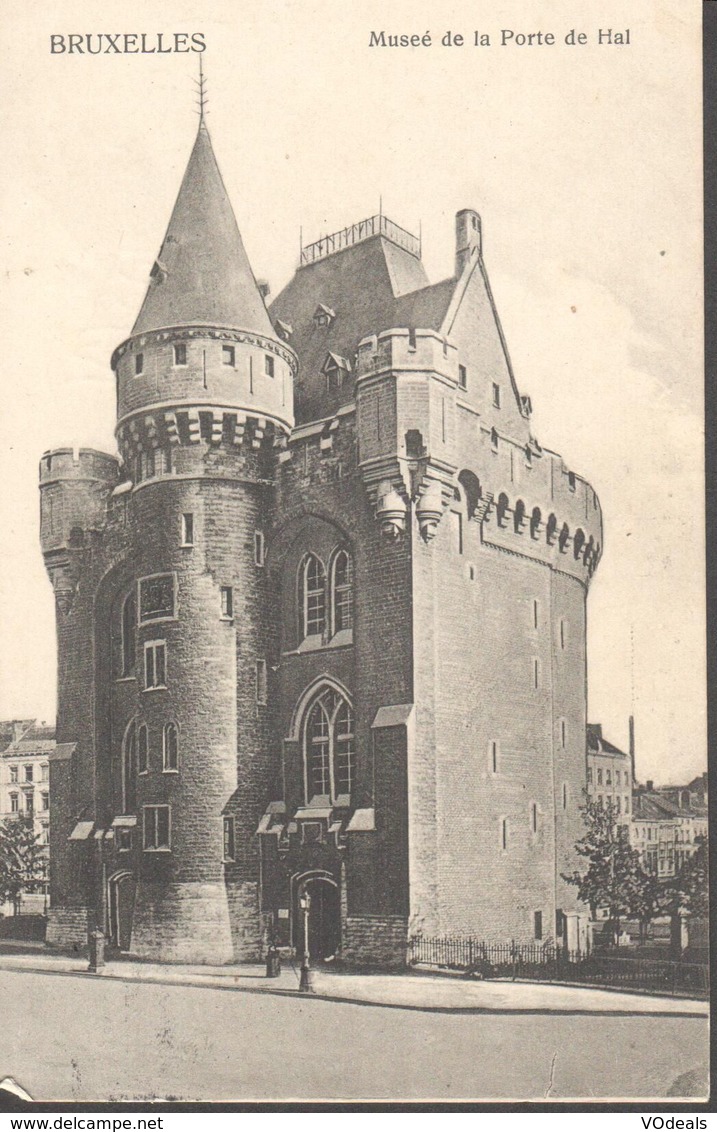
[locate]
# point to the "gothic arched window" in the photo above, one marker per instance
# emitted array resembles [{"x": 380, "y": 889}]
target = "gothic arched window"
[
  {"x": 342, "y": 591},
  {"x": 129, "y": 633},
  {"x": 129, "y": 770},
  {"x": 329, "y": 746},
  {"x": 312, "y": 597}
]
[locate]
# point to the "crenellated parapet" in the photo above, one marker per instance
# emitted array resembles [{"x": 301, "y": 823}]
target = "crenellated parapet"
[{"x": 75, "y": 486}]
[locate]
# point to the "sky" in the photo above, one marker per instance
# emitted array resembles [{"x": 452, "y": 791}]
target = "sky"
[{"x": 584, "y": 162}]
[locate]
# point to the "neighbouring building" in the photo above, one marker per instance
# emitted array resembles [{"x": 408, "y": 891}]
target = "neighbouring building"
[
  {"x": 609, "y": 774},
  {"x": 321, "y": 623},
  {"x": 668, "y": 822},
  {"x": 25, "y": 787}
]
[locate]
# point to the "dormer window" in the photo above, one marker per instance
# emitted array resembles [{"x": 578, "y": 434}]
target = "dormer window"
[
  {"x": 324, "y": 316},
  {"x": 336, "y": 369},
  {"x": 284, "y": 329}
]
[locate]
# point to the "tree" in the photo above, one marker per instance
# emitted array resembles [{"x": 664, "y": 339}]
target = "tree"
[
  {"x": 614, "y": 877},
  {"x": 691, "y": 883},
  {"x": 21, "y": 858}
]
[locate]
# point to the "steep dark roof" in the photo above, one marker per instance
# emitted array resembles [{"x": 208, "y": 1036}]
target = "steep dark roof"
[
  {"x": 371, "y": 286},
  {"x": 202, "y": 273},
  {"x": 648, "y": 807},
  {"x": 598, "y": 745}
]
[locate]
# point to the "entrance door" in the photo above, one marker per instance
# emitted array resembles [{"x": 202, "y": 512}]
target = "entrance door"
[
  {"x": 324, "y": 919},
  {"x": 121, "y": 907}
]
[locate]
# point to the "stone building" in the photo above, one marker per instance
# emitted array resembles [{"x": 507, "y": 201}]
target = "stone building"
[
  {"x": 610, "y": 774},
  {"x": 321, "y": 622},
  {"x": 668, "y": 823},
  {"x": 25, "y": 789}
]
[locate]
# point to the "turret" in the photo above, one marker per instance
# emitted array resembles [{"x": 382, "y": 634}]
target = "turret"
[
  {"x": 203, "y": 360},
  {"x": 74, "y": 489}
]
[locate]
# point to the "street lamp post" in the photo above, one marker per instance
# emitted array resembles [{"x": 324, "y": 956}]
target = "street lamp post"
[{"x": 306, "y": 980}]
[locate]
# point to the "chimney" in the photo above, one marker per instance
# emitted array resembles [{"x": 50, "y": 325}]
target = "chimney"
[
  {"x": 632, "y": 745},
  {"x": 649, "y": 785},
  {"x": 468, "y": 238}
]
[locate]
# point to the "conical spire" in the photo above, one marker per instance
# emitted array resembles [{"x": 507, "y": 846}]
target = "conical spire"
[{"x": 202, "y": 274}]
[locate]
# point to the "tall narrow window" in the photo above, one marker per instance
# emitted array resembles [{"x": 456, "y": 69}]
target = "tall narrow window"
[
  {"x": 188, "y": 529},
  {"x": 261, "y": 682},
  {"x": 494, "y": 757},
  {"x": 343, "y": 750},
  {"x": 312, "y": 597},
  {"x": 170, "y": 748},
  {"x": 562, "y": 633},
  {"x": 496, "y": 395},
  {"x": 563, "y": 733},
  {"x": 138, "y": 364},
  {"x": 157, "y": 828},
  {"x": 229, "y": 839},
  {"x": 494, "y": 440},
  {"x": 143, "y": 749},
  {"x": 268, "y": 365},
  {"x": 342, "y": 591},
  {"x": 259, "y": 551},
  {"x": 565, "y": 795},
  {"x": 535, "y": 614},
  {"x": 462, "y": 377},
  {"x": 535, "y": 522},
  {"x": 228, "y": 355},
  {"x": 14, "y": 804},
  {"x": 536, "y": 673},
  {"x": 227, "y": 603},
  {"x": 538, "y": 925},
  {"x": 329, "y": 748},
  {"x": 129, "y": 771},
  {"x": 504, "y": 833},
  {"x": 534, "y": 818},
  {"x": 129, "y": 633},
  {"x": 180, "y": 353},
  {"x": 155, "y": 664}
]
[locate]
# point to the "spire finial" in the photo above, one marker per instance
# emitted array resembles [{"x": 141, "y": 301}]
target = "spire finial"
[{"x": 201, "y": 91}]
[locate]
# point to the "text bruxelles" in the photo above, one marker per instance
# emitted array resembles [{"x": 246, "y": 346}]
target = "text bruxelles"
[{"x": 128, "y": 43}]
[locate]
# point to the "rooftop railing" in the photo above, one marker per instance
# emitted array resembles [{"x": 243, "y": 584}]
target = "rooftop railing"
[{"x": 346, "y": 237}]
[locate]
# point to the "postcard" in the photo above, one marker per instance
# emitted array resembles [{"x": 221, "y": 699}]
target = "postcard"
[{"x": 352, "y": 703}]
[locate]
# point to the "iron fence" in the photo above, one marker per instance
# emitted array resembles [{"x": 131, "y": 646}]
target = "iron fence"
[{"x": 551, "y": 963}]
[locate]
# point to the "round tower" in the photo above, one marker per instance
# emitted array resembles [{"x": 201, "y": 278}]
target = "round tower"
[{"x": 204, "y": 393}]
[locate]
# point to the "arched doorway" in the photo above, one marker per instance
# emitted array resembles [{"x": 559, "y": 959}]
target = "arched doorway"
[
  {"x": 324, "y": 917},
  {"x": 121, "y": 906}
]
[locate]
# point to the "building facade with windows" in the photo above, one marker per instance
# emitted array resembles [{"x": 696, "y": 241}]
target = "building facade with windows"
[
  {"x": 668, "y": 823},
  {"x": 609, "y": 774},
  {"x": 321, "y": 622},
  {"x": 25, "y": 788}
]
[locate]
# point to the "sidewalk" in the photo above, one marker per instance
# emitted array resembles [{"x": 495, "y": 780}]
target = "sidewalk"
[{"x": 410, "y": 990}]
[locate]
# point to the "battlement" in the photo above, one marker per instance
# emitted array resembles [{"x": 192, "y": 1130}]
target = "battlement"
[
  {"x": 75, "y": 485},
  {"x": 78, "y": 464},
  {"x": 402, "y": 349}
]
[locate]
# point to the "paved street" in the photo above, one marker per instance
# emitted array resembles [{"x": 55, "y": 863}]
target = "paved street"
[{"x": 74, "y": 1037}]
